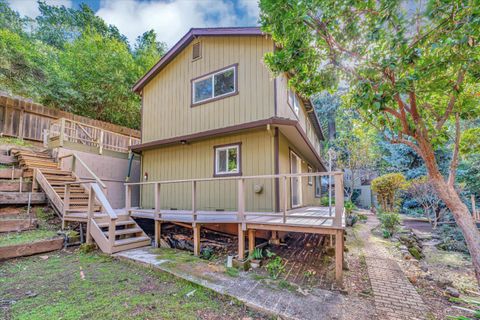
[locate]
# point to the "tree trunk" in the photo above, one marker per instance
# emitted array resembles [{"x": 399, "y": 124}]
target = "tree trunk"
[{"x": 452, "y": 200}]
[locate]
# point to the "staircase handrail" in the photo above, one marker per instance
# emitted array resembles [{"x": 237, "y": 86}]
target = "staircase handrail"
[{"x": 75, "y": 157}]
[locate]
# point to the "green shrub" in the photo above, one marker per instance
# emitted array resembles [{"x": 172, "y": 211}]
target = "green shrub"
[
  {"x": 389, "y": 222},
  {"x": 275, "y": 267},
  {"x": 349, "y": 207},
  {"x": 324, "y": 201},
  {"x": 257, "y": 254},
  {"x": 386, "y": 188}
]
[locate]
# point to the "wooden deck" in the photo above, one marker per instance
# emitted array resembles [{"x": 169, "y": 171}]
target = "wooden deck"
[{"x": 311, "y": 217}]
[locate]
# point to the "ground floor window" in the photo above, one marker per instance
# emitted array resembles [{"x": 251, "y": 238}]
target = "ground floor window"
[
  {"x": 310, "y": 178},
  {"x": 227, "y": 160}
]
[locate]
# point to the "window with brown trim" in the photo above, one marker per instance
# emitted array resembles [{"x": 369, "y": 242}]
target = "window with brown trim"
[
  {"x": 227, "y": 160},
  {"x": 216, "y": 85},
  {"x": 294, "y": 101},
  {"x": 196, "y": 51}
]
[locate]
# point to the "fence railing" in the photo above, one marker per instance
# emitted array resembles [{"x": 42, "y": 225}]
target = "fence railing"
[
  {"x": 72, "y": 131},
  {"x": 241, "y": 214}
]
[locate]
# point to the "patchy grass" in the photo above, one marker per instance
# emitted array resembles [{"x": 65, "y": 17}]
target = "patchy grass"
[
  {"x": 232, "y": 272},
  {"x": 93, "y": 286},
  {"x": 175, "y": 256},
  {"x": 14, "y": 238},
  {"x": 14, "y": 142}
]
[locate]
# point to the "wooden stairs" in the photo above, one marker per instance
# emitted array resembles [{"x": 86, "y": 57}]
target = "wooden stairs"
[{"x": 111, "y": 231}]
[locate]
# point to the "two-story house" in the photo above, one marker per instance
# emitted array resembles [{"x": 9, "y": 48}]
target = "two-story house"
[{"x": 211, "y": 108}]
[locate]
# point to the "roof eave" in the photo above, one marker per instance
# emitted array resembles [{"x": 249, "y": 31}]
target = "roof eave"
[{"x": 185, "y": 40}]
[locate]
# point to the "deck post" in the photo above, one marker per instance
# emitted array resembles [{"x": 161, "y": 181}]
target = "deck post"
[
  {"x": 157, "y": 214},
  {"x": 62, "y": 131},
  {"x": 196, "y": 239},
  {"x": 251, "y": 241},
  {"x": 339, "y": 256},
  {"x": 194, "y": 200},
  {"x": 285, "y": 199},
  {"x": 241, "y": 200},
  {"x": 338, "y": 200},
  {"x": 66, "y": 203},
  {"x": 128, "y": 198},
  {"x": 241, "y": 242},
  {"x": 91, "y": 204},
  {"x": 158, "y": 233},
  {"x": 100, "y": 144}
]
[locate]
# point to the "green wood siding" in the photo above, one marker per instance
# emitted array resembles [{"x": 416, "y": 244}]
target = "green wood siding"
[{"x": 195, "y": 160}]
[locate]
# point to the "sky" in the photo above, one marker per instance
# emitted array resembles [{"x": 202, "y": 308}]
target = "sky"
[{"x": 170, "y": 19}]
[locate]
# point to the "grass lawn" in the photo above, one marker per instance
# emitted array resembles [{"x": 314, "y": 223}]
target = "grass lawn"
[
  {"x": 93, "y": 286},
  {"x": 14, "y": 238}
]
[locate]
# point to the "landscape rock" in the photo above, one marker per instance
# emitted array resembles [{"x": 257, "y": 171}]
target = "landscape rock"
[{"x": 452, "y": 292}]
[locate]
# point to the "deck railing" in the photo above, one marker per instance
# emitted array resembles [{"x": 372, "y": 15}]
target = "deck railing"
[
  {"x": 72, "y": 131},
  {"x": 241, "y": 213}
]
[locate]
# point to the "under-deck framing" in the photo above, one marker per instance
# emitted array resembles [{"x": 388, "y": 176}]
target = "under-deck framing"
[{"x": 308, "y": 219}]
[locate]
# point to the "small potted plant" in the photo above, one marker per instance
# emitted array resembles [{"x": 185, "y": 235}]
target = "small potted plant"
[{"x": 256, "y": 258}]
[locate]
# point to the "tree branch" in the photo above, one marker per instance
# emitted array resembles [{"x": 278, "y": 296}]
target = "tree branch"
[
  {"x": 454, "y": 163},
  {"x": 453, "y": 98}
]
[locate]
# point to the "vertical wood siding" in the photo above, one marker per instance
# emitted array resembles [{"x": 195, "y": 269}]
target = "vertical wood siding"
[
  {"x": 167, "y": 110},
  {"x": 308, "y": 192},
  {"x": 195, "y": 160},
  {"x": 285, "y": 111}
]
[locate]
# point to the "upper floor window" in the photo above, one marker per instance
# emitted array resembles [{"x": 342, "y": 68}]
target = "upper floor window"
[
  {"x": 219, "y": 84},
  {"x": 227, "y": 160},
  {"x": 294, "y": 101}
]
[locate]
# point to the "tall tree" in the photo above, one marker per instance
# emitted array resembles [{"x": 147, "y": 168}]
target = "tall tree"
[
  {"x": 413, "y": 72},
  {"x": 148, "y": 50}
]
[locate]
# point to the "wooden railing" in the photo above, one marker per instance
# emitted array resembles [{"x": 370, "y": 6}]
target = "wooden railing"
[
  {"x": 77, "y": 132},
  {"x": 39, "y": 178},
  {"x": 241, "y": 213},
  {"x": 75, "y": 159}
]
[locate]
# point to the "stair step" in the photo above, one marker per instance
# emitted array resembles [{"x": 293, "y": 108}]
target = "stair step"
[
  {"x": 123, "y": 242},
  {"x": 27, "y": 153},
  {"x": 57, "y": 172},
  {"x": 39, "y": 165},
  {"x": 76, "y": 196},
  {"x": 83, "y": 209},
  {"x": 34, "y": 158},
  {"x": 62, "y": 184},
  {"x": 125, "y": 231},
  {"x": 119, "y": 223},
  {"x": 59, "y": 178}
]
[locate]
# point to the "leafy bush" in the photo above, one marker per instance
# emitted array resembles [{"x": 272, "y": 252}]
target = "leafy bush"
[
  {"x": 386, "y": 188},
  {"x": 389, "y": 222},
  {"x": 275, "y": 267},
  {"x": 324, "y": 201},
  {"x": 257, "y": 254},
  {"x": 349, "y": 207},
  {"x": 451, "y": 239}
]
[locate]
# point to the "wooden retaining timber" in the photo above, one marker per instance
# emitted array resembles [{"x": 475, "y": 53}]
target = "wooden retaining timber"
[
  {"x": 25, "y": 119},
  {"x": 22, "y": 198},
  {"x": 16, "y": 225},
  {"x": 8, "y": 160},
  {"x": 29, "y": 249},
  {"x": 15, "y": 186},
  {"x": 10, "y": 173}
]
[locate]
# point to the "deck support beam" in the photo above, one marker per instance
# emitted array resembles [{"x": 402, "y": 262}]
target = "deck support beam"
[
  {"x": 251, "y": 241},
  {"x": 158, "y": 233},
  {"x": 241, "y": 242},
  {"x": 196, "y": 239},
  {"x": 339, "y": 256}
]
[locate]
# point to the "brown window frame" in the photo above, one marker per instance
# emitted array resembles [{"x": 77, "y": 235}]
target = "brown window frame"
[
  {"x": 310, "y": 178},
  {"x": 239, "y": 158},
  {"x": 235, "y": 81}
]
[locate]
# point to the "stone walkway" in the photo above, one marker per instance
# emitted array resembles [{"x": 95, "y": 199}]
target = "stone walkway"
[
  {"x": 260, "y": 295},
  {"x": 395, "y": 297}
]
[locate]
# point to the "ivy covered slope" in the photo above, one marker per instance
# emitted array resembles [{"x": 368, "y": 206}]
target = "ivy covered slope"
[
  {"x": 72, "y": 60},
  {"x": 412, "y": 69}
]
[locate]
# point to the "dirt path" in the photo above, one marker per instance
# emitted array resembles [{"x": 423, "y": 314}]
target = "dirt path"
[{"x": 395, "y": 297}]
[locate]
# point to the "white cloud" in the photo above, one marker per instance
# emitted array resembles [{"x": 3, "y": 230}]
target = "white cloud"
[
  {"x": 29, "y": 8},
  {"x": 172, "y": 19}
]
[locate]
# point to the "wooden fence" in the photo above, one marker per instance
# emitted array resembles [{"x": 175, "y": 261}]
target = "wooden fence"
[{"x": 27, "y": 120}]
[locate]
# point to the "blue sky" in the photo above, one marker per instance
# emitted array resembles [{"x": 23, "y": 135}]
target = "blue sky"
[{"x": 169, "y": 18}]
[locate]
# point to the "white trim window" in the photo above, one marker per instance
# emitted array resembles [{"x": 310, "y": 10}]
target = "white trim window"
[
  {"x": 294, "y": 101},
  {"x": 227, "y": 160},
  {"x": 216, "y": 85}
]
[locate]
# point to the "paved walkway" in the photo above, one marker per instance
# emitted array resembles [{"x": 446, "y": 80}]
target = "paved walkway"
[
  {"x": 395, "y": 297},
  {"x": 260, "y": 295}
]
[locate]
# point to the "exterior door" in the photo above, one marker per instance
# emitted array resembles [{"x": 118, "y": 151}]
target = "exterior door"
[{"x": 295, "y": 185}]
